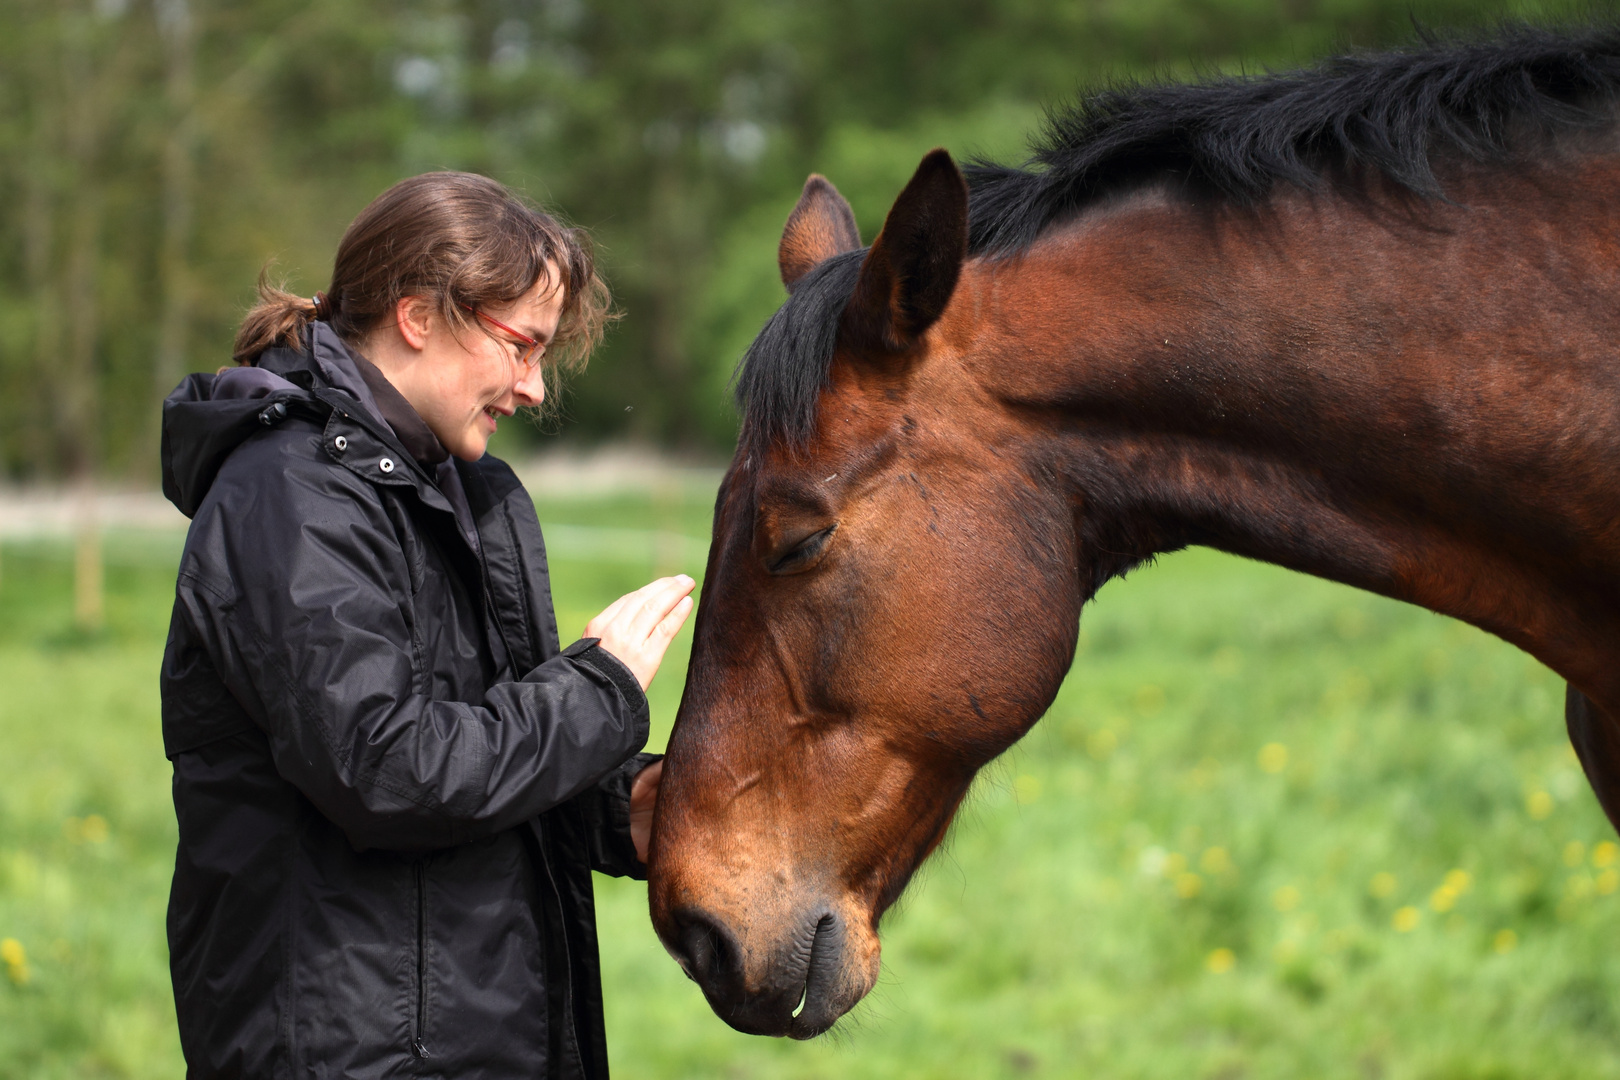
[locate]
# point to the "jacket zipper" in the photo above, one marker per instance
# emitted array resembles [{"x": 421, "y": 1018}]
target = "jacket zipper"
[
  {"x": 418, "y": 1046},
  {"x": 494, "y": 615},
  {"x": 568, "y": 958}
]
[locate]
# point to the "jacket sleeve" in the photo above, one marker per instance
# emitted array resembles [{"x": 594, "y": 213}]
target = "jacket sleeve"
[
  {"x": 297, "y": 584},
  {"x": 606, "y": 810}
]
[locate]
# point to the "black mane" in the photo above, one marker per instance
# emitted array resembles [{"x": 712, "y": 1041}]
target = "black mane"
[
  {"x": 1234, "y": 138},
  {"x": 1239, "y": 137}
]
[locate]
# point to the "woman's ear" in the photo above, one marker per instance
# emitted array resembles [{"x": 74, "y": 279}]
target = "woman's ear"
[{"x": 415, "y": 316}]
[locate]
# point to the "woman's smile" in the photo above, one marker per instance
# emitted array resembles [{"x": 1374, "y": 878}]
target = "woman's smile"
[{"x": 494, "y": 415}]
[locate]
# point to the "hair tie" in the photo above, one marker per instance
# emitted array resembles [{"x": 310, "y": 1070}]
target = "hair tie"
[{"x": 323, "y": 307}]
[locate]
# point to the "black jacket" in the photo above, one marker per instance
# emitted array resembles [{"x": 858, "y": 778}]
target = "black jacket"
[{"x": 391, "y": 785}]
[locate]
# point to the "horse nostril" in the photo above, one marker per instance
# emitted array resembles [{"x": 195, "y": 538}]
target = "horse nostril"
[{"x": 704, "y": 948}]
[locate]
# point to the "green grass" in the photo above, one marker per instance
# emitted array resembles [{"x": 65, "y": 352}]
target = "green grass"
[{"x": 1316, "y": 736}]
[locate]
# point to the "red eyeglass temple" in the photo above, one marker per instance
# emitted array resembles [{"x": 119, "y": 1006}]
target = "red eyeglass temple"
[{"x": 497, "y": 324}]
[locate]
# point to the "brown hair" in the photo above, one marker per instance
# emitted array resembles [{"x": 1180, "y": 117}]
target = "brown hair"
[{"x": 460, "y": 239}]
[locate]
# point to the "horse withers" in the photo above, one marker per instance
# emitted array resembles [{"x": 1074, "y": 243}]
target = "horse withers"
[{"x": 1359, "y": 321}]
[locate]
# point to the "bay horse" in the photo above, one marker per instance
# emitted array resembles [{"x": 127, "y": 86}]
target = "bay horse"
[{"x": 1362, "y": 321}]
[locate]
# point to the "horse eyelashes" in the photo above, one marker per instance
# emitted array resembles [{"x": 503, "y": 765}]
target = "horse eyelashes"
[{"x": 802, "y": 554}]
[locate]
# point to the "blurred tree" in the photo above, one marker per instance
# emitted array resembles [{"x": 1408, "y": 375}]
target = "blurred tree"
[
  {"x": 158, "y": 152},
  {"x": 177, "y": 33}
]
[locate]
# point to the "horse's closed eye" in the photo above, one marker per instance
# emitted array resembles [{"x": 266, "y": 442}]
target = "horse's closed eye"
[{"x": 802, "y": 554}]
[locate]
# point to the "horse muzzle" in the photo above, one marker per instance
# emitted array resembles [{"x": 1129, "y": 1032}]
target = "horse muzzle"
[{"x": 796, "y": 982}]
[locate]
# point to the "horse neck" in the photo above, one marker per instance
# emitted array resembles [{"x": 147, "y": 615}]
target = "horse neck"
[{"x": 1423, "y": 406}]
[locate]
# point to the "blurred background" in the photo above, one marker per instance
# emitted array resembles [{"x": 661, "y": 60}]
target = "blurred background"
[
  {"x": 156, "y": 154},
  {"x": 1271, "y": 828}
]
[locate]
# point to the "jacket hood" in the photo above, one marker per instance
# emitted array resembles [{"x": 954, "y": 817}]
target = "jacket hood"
[{"x": 209, "y": 416}]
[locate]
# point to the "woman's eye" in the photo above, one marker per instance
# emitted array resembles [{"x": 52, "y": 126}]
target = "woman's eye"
[{"x": 802, "y": 555}]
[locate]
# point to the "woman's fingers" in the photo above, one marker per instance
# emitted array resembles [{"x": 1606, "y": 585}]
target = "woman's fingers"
[
  {"x": 638, "y": 627},
  {"x": 643, "y": 797},
  {"x": 671, "y": 624},
  {"x": 629, "y": 602},
  {"x": 649, "y": 604},
  {"x": 656, "y": 606},
  {"x": 644, "y": 788}
]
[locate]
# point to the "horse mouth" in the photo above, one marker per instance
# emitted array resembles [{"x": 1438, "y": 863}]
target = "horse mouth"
[
  {"x": 801, "y": 994},
  {"x": 820, "y": 1006}
]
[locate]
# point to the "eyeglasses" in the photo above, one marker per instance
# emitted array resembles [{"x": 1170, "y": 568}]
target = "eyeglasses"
[{"x": 530, "y": 349}]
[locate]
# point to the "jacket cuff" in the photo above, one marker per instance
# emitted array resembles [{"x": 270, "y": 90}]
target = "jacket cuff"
[
  {"x": 589, "y": 653},
  {"x": 618, "y": 853}
]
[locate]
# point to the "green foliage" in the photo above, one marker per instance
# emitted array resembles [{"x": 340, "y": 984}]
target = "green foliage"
[
  {"x": 1271, "y": 828},
  {"x": 155, "y": 154}
]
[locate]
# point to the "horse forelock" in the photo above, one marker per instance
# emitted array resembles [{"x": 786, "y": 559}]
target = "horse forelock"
[
  {"x": 779, "y": 381},
  {"x": 1238, "y": 137}
]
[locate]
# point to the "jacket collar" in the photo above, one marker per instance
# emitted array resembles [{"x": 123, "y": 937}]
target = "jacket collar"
[
  {"x": 358, "y": 435},
  {"x": 323, "y": 355},
  {"x": 402, "y": 418}
]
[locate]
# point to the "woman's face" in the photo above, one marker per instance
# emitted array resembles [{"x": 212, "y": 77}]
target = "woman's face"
[{"x": 461, "y": 384}]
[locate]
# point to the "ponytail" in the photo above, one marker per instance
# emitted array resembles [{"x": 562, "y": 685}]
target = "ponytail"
[{"x": 278, "y": 318}]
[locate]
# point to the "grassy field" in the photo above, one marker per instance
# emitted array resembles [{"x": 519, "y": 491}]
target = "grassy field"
[{"x": 1271, "y": 828}]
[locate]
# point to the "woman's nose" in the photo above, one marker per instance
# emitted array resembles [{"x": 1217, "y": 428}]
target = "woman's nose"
[{"x": 530, "y": 388}]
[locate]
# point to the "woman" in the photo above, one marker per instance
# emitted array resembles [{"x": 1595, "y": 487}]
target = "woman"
[{"x": 392, "y": 785}]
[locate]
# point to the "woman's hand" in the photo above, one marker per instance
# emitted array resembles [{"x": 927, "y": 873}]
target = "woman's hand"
[
  {"x": 637, "y": 628},
  {"x": 643, "y": 797}
]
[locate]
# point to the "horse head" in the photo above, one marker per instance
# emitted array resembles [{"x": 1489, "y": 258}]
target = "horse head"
[{"x": 848, "y": 677}]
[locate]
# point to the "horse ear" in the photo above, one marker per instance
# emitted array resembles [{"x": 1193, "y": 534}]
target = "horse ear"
[
  {"x": 911, "y": 271},
  {"x": 821, "y": 226}
]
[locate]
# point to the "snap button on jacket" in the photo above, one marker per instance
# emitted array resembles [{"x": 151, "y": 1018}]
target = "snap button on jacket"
[{"x": 391, "y": 783}]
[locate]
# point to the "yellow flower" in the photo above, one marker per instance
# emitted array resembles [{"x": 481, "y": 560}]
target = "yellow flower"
[
  {"x": 1215, "y": 860},
  {"x": 1189, "y": 885},
  {"x": 1608, "y": 881},
  {"x": 1149, "y": 699},
  {"x": 1459, "y": 881},
  {"x": 1382, "y": 885},
  {"x": 1406, "y": 919},
  {"x": 1102, "y": 743},
  {"x": 1273, "y": 757},
  {"x": 15, "y": 957},
  {"x": 1285, "y": 898},
  {"x": 1443, "y": 899},
  {"x": 1539, "y": 805},
  {"x": 1221, "y": 960},
  {"x": 1605, "y": 854},
  {"x": 86, "y": 830},
  {"x": 1505, "y": 941}
]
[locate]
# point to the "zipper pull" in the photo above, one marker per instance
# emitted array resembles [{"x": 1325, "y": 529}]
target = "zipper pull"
[{"x": 419, "y": 1048}]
